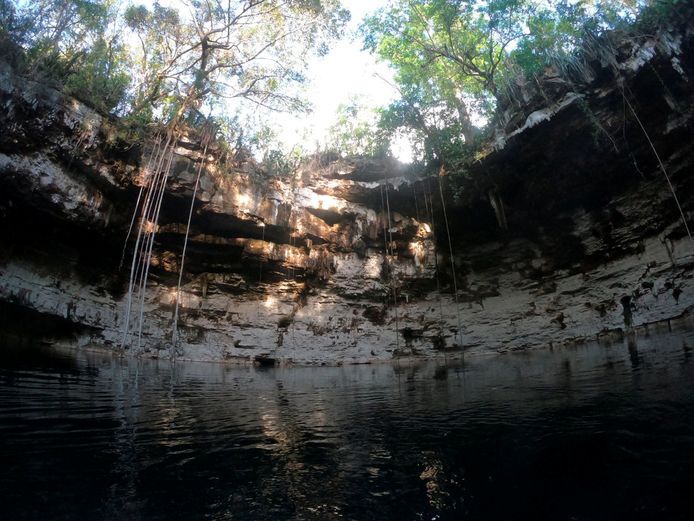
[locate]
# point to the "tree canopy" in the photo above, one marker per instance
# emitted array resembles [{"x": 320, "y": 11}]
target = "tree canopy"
[
  {"x": 163, "y": 62},
  {"x": 251, "y": 49},
  {"x": 455, "y": 59}
]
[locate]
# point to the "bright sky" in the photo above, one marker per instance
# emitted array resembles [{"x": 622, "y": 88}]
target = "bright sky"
[{"x": 345, "y": 72}]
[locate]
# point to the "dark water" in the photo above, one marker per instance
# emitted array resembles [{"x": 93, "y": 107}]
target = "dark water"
[{"x": 588, "y": 433}]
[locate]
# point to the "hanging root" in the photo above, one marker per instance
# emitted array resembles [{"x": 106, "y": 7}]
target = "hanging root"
[
  {"x": 450, "y": 248},
  {"x": 152, "y": 232},
  {"x": 385, "y": 206},
  {"x": 174, "y": 336},
  {"x": 147, "y": 190},
  {"x": 149, "y": 205},
  {"x": 392, "y": 278},
  {"x": 153, "y": 191},
  {"x": 148, "y": 171},
  {"x": 429, "y": 207},
  {"x": 660, "y": 162}
]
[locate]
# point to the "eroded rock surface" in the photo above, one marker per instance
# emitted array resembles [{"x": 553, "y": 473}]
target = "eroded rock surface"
[{"x": 568, "y": 230}]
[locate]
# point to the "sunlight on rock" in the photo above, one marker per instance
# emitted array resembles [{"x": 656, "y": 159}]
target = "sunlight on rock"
[
  {"x": 418, "y": 252},
  {"x": 243, "y": 201},
  {"x": 149, "y": 227},
  {"x": 372, "y": 268}
]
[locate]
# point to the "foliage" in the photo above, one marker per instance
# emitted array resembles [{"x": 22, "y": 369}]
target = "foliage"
[
  {"x": 63, "y": 26},
  {"x": 448, "y": 56},
  {"x": 454, "y": 59},
  {"x": 355, "y": 131},
  {"x": 160, "y": 37},
  {"x": 658, "y": 12},
  {"x": 102, "y": 78},
  {"x": 73, "y": 42},
  {"x": 277, "y": 163},
  {"x": 10, "y": 25},
  {"x": 227, "y": 50},
  {"x": 559, "y": 32},
  {"x": 158, "y": 63}
]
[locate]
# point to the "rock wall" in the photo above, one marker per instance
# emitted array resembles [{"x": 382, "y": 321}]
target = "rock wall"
[{"x": 565, "y": 231}]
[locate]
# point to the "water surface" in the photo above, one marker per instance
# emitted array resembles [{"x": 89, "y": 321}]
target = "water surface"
[{"x": 586, "y": 433}]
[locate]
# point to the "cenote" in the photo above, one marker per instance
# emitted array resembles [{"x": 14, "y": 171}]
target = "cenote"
[
  {"x": 472, "y": 298},
  {"x": 594, "y": 432}
]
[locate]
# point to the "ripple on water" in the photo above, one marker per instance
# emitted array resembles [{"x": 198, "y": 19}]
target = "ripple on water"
[{"x": 595, "y": 432}]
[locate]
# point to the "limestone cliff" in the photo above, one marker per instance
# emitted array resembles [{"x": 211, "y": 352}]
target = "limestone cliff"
[{"x": 564, "y": 231}]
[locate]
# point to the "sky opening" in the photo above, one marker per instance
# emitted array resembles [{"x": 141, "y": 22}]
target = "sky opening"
[{"x": 345, "y": 73}]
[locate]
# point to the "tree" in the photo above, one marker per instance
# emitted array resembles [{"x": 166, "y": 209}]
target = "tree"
[
  {"x": 355, "y": 130},
  {"x": 448, "y": 55},
  {"x": 8, "y": 20},
  {"x": 185, "y": 58},
  {"x": 558, "y": 31},
  {"x": 102, "y": 77},
  {"x": 60, "y": 32},
  {"x": 249, "y": 49},
  {"x": 74, "y": 42},
  {"x": 454, "y": 59},
  {"x": 161, "y": 37}
]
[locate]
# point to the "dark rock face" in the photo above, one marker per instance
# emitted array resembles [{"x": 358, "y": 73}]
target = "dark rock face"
[{"x": 567, "y": 230}]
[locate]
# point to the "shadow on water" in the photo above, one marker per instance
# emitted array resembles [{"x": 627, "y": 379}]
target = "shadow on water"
[{"x": 592, "y": 432}]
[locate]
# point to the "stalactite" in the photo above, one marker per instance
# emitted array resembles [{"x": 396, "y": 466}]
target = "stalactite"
[{"x": 498, "y": 207}]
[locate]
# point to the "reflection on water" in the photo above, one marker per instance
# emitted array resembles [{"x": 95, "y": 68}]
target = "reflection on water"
[{"x": 593, "y": 432}]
